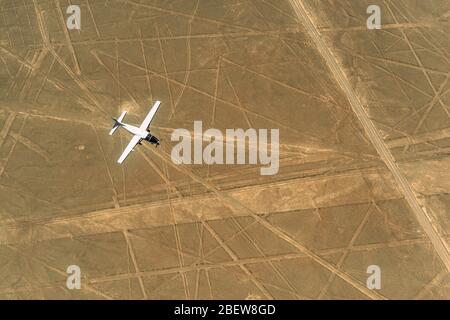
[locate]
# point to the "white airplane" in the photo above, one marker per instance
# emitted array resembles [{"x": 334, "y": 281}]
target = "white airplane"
[{"x": 140, "y": 133}]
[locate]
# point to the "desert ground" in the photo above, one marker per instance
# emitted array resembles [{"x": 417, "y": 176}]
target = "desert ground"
[{"x": 364, "y": 123}]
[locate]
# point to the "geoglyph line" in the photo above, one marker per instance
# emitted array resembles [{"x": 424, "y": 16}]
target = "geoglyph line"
[{"x": 373, "y": 134}]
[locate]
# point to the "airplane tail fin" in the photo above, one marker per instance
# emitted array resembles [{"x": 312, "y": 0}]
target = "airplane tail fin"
[{"x": 117, "y": 123}]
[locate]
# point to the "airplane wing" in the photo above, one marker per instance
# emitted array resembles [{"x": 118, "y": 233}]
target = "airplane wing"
[
  {"x": 150, "y": 116},
  {"x": 134, "y": 141}
]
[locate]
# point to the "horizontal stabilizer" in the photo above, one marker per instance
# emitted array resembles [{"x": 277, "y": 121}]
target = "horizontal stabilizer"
[
  {"x": 121, "y": 117},
  {"x": 117, "y": 123}
]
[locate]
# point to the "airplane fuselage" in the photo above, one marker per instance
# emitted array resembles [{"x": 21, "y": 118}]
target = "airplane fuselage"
[
  {"x": 143, "y": 134},
  {"x": 135, "y": 130}
]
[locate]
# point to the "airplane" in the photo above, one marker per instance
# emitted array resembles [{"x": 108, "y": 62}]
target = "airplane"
[{"x": 139, "y": 133}]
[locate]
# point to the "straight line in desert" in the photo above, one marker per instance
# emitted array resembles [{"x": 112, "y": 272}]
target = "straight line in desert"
[
  {"x": 30, "y": 145},
  {"x": 427, "y": 137},
  {"x": 67, "y": 37},
  {"x": 406, "y": 25},
  {"x": 374, "y": 136},
  {"x": 253, "y": 189},
  {"x": 7, "y": 126}
]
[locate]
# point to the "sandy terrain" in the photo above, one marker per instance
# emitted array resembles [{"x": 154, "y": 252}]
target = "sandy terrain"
[{"x": 364, "y": 122}]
